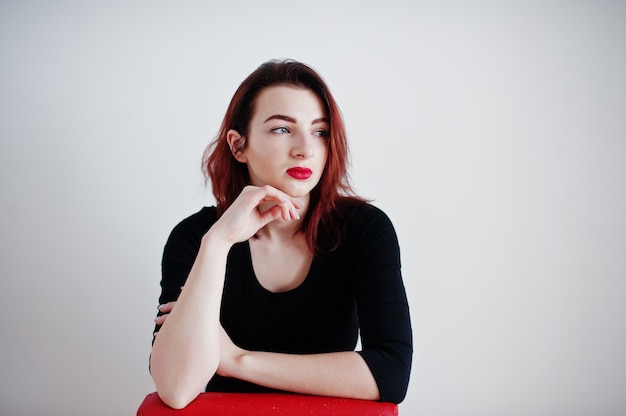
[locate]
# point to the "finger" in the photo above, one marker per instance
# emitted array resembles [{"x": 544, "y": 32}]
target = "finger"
[
  {"x": 271, "y": 214},
  {"x": 288, "y": 205},
  {"x": 279, "y": 202},
  {"x": 292, "y": 211},
  {"x": 285, "y": 207},
  {"x": 167, "y": 307},
  {"x": 159, "y": 320},
  {"x": 294, "y": 205}
]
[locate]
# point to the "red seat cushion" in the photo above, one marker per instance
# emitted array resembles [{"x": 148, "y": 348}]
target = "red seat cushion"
[{"x": 248, "y": 404}]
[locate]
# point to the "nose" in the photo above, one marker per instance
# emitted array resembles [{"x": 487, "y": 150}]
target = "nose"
[{"x": 302, "y": 147}]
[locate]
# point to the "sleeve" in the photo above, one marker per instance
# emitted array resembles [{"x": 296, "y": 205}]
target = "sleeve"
[
  {"x": 383, "y": 309},
  {"x": 180, "y": 252}
]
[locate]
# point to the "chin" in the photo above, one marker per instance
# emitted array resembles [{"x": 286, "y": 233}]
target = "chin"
[{"x": 296, "y": 192}]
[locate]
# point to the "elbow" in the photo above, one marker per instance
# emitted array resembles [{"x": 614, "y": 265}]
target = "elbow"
[
  {"x": 396, "y": 388},
  {"x": 177, "y": 390},
  {"x": 373, "y": 395},
  {"x": 177, "y": 400},
  {"x": 177, "y": 384},
  {"x": 397, "y": 391},
  {"x": 396, "y": 397},
  {"x": 178, "y": 394},
  {"x": 391, "y": 368}
]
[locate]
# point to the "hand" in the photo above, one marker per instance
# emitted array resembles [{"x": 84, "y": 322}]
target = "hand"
[
  {"x": 165, "y": 309},
  {"x": 246, "y": 215}
]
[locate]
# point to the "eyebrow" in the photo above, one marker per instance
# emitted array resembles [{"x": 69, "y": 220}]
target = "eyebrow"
[{"x": 293, "y": 120}]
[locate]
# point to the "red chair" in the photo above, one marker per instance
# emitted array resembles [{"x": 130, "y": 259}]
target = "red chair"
[{"x": 253, "y": 404}]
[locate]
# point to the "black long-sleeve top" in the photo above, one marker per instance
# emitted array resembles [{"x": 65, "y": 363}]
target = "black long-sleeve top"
[{"x": 357, "y": 287}]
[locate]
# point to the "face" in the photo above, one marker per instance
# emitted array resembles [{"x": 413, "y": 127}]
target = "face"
[{"x": 287, "y": 143}]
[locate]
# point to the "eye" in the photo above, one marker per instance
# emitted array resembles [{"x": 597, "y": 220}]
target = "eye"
[
  {"x": 321, "y": 133},
  {"x": 280, "y": 130}
]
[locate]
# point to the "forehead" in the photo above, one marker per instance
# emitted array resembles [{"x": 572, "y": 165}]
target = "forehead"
[{"x": 288, "y": 100}]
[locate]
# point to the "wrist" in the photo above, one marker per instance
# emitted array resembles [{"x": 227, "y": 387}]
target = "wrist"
[
  {"x": 232, "y": 364},
  {"x": 212, "y": 240}
]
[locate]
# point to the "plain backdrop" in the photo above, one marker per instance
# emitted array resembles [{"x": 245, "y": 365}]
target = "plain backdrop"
[{"x": 492, "y": 133}]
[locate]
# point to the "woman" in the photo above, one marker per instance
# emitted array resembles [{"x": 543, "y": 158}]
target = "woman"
[{"x": 269, "y": 289}]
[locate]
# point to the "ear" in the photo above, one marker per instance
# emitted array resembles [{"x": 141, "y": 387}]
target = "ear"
[{"x": 236, "y": 143}]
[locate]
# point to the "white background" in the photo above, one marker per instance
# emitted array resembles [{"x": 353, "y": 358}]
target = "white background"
[{"x": 492, "y": 133}]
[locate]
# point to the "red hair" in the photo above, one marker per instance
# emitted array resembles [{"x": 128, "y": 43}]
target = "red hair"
[{"x": 228, "y": 176}]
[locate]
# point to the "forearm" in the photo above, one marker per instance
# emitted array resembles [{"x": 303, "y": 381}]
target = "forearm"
[
  {"x": 186, "y": 351},
  {"x": 340, "y": 374}
]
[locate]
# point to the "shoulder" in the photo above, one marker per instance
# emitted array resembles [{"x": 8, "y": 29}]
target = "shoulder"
[
  {"x": 362, "y": 220},
  {"x": 201, "y": 219},
  {"x": 194, "y": 226},
  {"x": 362, "y": 214}
]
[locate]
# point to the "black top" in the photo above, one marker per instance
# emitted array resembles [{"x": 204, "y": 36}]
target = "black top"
[{"x": 356, "y": 287}]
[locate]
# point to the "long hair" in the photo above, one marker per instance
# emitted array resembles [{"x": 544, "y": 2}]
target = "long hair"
[{"x": 228, "y": 177}]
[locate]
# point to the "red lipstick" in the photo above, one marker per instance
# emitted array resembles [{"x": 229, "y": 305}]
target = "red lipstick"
[{"x": 299, "y": 172}]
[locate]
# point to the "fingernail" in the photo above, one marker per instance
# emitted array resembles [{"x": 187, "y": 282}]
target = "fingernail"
[{"x": 160, "y": 306}]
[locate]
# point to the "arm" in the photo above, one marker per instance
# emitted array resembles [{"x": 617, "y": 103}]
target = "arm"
[
  {"x": 186, "y": 352},
  {"x": 339, "y": 374},
  {"x": 381, "y": 370},
  {"x": 383, "y": 309}
]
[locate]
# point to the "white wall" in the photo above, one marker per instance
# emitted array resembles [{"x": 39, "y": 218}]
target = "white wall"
[{"x": 493, "y": 134}]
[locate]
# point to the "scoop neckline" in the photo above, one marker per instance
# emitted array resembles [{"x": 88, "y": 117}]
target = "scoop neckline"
[{"x": 258, "y": 284}]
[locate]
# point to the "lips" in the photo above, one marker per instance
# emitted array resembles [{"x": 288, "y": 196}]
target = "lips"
[{"x": 299, "y": 172}]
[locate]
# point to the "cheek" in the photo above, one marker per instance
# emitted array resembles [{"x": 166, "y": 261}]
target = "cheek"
[{"x": 324, "y": 153}]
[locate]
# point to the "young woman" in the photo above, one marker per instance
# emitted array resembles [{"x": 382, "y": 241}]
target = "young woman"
[{"x": 270, "y": 289}]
